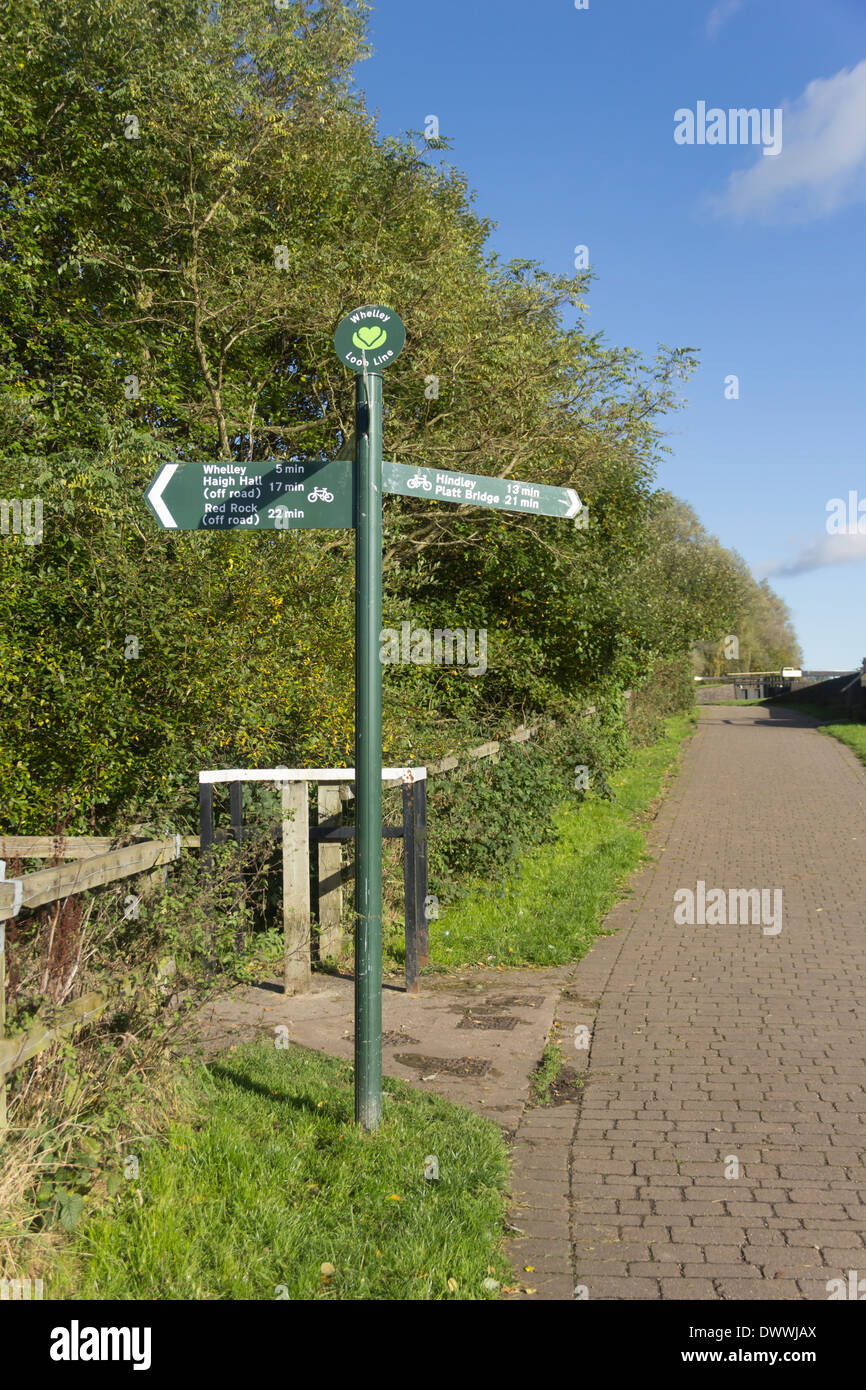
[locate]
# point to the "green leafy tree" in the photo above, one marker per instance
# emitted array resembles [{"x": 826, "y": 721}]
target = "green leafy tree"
[{"x": 191, "y": 196}]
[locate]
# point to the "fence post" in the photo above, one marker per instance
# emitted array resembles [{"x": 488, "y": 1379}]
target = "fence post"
[
  {"x": 421, "y": 872},
  {"x": 236, "y": 809},
  {"x": 2, "y": 1017},
  {"x": 205, "y": 823},
  {"x": 410, "y": 891},
  {"x": 206, "y": 838},
  {"x": 296, "y": 887},
  {"x": 332, "y": 941},
  {"x": 236, "y": 812}
]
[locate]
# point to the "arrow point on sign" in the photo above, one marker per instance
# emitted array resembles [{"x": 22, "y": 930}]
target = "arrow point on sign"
[
  {"x": 154, "y": 495},
  {"x": 575, "y": 503}
]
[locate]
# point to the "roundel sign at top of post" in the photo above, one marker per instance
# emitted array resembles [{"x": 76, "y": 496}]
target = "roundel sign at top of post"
[{"x": 370, "y": 338}]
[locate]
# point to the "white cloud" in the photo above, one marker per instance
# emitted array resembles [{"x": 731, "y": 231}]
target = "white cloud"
[
  {"x": 822, "y": 165},
  {"x": 720, "y": 14},
  {"x": 827, "y": 550}
]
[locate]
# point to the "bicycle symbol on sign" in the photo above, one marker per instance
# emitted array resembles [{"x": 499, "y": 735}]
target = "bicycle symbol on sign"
[
  {"x": 320, "y": 494},
  {"x": 420, "y": 481}
]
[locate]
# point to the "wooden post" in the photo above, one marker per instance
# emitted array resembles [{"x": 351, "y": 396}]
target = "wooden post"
[
  {"x": 332, "y": 941},
  {"x": 2, "y": 1017},
  {"x": 205, "y": 823},
  {"x": 296, "y": 887},
  {"x": 206, "y": 838},
  {"x": 3, "y": 1004},
  {"x": 236, "y": 811},
  {"x": 410, "y": 893}
]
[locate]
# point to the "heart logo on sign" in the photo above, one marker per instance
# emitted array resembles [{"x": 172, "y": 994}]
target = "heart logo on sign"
[{"x": 370, "y": 338}]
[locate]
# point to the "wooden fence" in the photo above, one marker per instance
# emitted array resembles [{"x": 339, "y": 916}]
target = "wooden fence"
[
  {"x": 91, "y": 870},
  {"x": 300, "y": 840},
  {"x": 303, "y": 842}
]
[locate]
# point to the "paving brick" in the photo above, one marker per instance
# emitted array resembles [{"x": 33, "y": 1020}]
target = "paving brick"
[
  {"x": 687, "y": 1290},
  {"x": 719, "y": 1269},
  {"x": 536, "y": 1227},
  {"x": 847, "y": 1255},
  {"x": 551, "y": 1287},
  {"x": 622, "y": 1288},
  {"x": 764, "y": 1290},
  {"x": 762, "y": 1237},
  {"x": 675, "y": 1252},
  {"x": 788, "y": 1263}
]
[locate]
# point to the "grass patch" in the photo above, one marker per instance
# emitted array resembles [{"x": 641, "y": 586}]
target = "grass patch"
[
  {"x": 268, "y": 1180},
  {"x": 549, "y": 912},
  {"x": 546, "y": 1073}
]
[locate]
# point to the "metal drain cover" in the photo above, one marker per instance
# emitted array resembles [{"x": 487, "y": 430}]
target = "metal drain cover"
[
  {"x": 453, "y": 1066},
  {"x": 516, "y": 1001},
  {"x": 494, "y": 1022}
]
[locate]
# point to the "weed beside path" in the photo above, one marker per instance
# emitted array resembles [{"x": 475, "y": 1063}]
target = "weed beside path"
[{"x": 550, "y": 911}]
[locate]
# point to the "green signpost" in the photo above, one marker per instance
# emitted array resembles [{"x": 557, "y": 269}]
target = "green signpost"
[
  {"x": 274, "y": 496},
  {"x": 368, "y": 340},
  {"x": 475, "y": 490},
  {"x": 281, "y": 495}
]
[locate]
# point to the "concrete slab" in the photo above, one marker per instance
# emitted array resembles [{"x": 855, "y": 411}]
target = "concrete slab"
[{"x": 474, "y": 1037}]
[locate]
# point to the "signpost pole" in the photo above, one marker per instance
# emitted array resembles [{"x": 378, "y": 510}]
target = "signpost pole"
[
  {"x": 367, "y": 340},
  {"x": 368, "y": 750}
]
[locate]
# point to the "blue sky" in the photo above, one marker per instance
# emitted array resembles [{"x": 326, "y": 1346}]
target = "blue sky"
[{"x": 564, "y": 119}]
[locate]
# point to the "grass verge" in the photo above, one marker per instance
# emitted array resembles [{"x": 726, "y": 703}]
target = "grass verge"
[
  {"x": 549, "y": 912},
  {"x": 267, "y": 1190}
]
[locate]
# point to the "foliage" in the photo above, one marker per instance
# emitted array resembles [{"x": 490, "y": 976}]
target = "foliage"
[
  {"x": 716, "y": 596},
  {"x": 546, "y": 909},
  {"x": 486, "y": 812},
  {"x": 173, "y": 296},
  {"x": 668, "y": 691}
]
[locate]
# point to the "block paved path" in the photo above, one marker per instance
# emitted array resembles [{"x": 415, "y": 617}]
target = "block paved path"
[{"x": 717, "y": 1043}]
